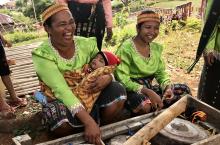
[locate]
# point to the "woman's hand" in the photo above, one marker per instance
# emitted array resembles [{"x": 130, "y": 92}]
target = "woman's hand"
[
  {"x": 8, "y": 44},
  {"x": 99, "y": 83},
  {"x": 209, "y": 58},
  {"x": 92, "y": 133},
  {"x": 5, "y": 42},
  {"x": 155, "y": 99},
  {"x": 109, "y": 34},
  {"x": 168, "y": 94}
]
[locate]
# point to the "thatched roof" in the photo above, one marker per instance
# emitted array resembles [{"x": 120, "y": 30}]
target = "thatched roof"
[{"x": 5, "y": 19}]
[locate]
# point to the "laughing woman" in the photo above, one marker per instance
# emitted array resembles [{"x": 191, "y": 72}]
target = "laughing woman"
[
  {"x": 141, "y": 62},
  {"x": 64, "y": 52}
]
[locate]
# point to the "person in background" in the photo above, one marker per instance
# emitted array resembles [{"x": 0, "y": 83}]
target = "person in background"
[
  {"x": 209, "y": 85},
  {"x": 6, "y": 111},
  {"x": 92, "y": 19},
  {"x": 141, "y": 62},
  {"x": 64, "y": 52}
]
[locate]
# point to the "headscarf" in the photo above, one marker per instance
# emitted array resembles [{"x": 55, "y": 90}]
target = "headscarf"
[
  {"x": 144, "y": 17},
  {"x": 53, "y": 9}
]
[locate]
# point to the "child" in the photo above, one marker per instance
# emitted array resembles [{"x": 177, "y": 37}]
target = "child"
[
  {"x": 104, "y": 63},
  {"x": 103, "y": 58}
]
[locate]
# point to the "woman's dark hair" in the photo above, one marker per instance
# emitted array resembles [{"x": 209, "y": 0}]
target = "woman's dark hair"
[
  {"x": 148, "y": 11},
  {"x": 48, "y": 22}
]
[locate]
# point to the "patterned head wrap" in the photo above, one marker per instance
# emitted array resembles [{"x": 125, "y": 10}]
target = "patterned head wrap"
[
  {"x": 53, "y": 9},
  {"x": 143, "y": 17}
]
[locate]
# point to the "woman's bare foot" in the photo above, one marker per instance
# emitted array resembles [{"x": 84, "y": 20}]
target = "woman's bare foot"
[
  {"x": 6, "y": 111},
  {"x": 18, "y": 102}
]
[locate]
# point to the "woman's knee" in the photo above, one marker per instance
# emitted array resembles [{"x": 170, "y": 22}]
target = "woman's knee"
[
  {"x": 116, "y": 86},
  {"x": 114, "y": 108},
  {"x": 63, "y": 130},
  {"x": 120, "y": 104}
]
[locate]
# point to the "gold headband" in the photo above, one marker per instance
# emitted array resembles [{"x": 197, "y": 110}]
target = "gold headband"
[
  {"x": 53, "y": 9},
  {"x": 148, "y": 17}
]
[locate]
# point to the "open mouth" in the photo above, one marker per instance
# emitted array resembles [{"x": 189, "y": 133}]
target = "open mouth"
[
  {"x": 68, "y": 35},
  {"x": 150, "y": 37}
]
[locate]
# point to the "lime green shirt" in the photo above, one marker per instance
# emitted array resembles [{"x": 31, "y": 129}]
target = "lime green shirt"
[
  {"x": 134, "y": 65},
  {"x": 214, "y": 40},
  {"x": 50, "y": 67}
]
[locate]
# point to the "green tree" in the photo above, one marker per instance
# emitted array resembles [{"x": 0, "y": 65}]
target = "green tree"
[{"x": 26, "y": 7}]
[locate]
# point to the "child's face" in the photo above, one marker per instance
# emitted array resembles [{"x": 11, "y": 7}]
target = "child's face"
[{"x": 97, "y": 62}]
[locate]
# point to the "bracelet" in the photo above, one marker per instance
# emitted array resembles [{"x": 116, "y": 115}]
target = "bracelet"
[
  {"x": 139, "y": 89},
  {"x": 113, "y": 77}
]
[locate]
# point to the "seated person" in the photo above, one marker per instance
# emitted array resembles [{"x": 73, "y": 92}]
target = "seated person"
[
  {"x": 64, "y": 52},
  {"x": 104, "y": 63},
  {"x": 141, "y": 62}
]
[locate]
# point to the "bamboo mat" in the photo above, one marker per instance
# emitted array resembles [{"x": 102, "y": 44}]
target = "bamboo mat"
[{"x": 23, "y": 75}]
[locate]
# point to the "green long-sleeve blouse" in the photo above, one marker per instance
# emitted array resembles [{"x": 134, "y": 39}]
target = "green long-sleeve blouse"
[
  {"x": 134, "y": 65},
  {"x": 50, "y": 67},
  {"x": 213, "y": 44}
]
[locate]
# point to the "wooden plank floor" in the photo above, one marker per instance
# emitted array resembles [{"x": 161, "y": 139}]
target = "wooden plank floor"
[{"x": 23, "y": 74}]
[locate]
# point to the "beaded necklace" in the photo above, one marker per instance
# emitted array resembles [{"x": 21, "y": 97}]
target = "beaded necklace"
[
  {"x": 60, "y": 57},
  {"x": 137, "y": 51}
]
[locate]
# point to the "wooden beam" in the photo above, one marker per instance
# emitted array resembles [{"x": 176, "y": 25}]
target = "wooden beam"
[
  {"x": 22, "y": 140},
  {"x": 213, "y": 140},
  {"x": 213, "y": 118},
  {"x": 158, "y": 123}
]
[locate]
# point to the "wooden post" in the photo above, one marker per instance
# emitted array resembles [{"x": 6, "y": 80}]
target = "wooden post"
[
  {"x": 22, "y": 140},
  {"x": 213, "y": 140},
  {"x": 153, "y": 127}
]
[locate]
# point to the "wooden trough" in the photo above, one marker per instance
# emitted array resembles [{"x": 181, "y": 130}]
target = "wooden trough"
[{"x": 149, "y": 125}]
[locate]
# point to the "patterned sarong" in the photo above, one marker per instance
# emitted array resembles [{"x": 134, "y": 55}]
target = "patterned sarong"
[{"x": 78, "y": 82}]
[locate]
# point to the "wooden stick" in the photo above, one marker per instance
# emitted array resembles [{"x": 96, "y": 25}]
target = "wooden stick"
[
  {"x": 102, "y": 142},
  {"x": 153, "y": 127}
]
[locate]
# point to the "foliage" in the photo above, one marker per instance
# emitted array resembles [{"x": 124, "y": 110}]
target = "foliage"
[
  {"x": 17, "y": 36},
  {"x": 194, "y": 24},
  {"x": 116, "y": 4},
  {"x": 121, "y": 18},
  {"x": 138, "y": 5},
  {"x": 179, "y": 42},
  {"x": 27, "y": 8},
  {"x": 121, "y": 34},
  {"x": 18, "y": 17}
]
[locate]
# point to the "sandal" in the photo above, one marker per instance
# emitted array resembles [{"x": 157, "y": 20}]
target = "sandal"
[
  {"x": 22, "y": 102},
  {"x": 7, "y": 113}
]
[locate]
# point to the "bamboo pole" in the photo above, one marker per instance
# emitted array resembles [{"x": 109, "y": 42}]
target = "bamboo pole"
[{"x": 153, "y": 127}]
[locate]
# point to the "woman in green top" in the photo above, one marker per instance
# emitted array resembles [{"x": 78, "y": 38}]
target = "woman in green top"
[
  {"x": 141, "y": 62},
  {"x": 209, "y": 86},
  {"x": 64, "y": 52}
]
